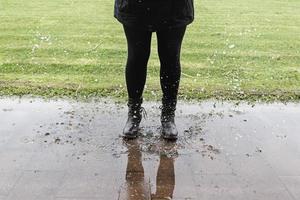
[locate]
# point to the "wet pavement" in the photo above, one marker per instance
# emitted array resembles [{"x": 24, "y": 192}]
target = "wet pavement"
[{"x": 67, "y": 150}]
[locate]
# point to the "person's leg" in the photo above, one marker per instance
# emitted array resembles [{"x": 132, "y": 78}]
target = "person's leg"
[
  {"x": 139, "y": 45},
  {"x": 169, "y": 46}
]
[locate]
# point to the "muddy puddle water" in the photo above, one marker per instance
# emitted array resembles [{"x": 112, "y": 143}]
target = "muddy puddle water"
[{"x": 63, "y": 149}]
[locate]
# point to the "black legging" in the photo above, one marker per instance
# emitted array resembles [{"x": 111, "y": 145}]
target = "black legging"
[{"x": 139, "y": 45}]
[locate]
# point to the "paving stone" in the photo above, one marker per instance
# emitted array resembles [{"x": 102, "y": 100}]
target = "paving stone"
[
  {"x": 52, "y": 158},
  {"x": 209, "y": 163},
  {"x": 88, "y": 184},
  {"x": 3, "y": 197},
  {"x": 285, "y": 162},
  {"x": 257, "y": 178},
  {"x": 232, "y": 135},
  {"x": 292, "y": 184},
  {"x": 100, "y": 176},
  {"x": 36, "y": 185},
  {"x": 14, "y": 159},
  {"x": 8, "y": 180},
  {"x": 220, "y": 186}
]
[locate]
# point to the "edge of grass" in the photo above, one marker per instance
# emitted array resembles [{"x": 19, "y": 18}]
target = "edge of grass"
[{"x": 120, "y": 94}]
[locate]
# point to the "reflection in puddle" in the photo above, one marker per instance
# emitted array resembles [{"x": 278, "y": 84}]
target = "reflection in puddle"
[
  {"x": 220, "y": 152},
  {"x": 136, "y": 187}
]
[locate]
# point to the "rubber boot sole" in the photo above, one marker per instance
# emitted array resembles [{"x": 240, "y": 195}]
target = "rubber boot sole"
[
  {"x": 129, "y": 136},
  {"x": 168, "y": 137}
]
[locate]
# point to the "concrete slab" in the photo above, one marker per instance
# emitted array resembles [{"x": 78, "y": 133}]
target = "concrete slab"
[
  {"x": 292, "y": 184},
  {"x": 66, "y": 150},
  {"x": 8, "y": 180},
  {"x": 34, "y": 185}
]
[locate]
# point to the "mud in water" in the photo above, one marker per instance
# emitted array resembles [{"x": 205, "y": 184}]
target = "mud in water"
[{"x": 219, "y": 142}]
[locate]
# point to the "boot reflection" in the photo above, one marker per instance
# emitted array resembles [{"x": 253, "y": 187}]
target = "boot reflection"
[
  {"x": 165, "y": 179},
  {"x": 136, "y": 186}
]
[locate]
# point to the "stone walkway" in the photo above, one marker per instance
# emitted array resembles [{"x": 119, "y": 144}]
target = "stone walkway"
[{"x": 67, "y": 150}]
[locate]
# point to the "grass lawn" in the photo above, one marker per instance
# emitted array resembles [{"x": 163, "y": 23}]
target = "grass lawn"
[{"x": 235, "y": 49}]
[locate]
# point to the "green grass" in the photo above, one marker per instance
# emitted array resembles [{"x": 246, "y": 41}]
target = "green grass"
[{"x": 235, "y": 49}]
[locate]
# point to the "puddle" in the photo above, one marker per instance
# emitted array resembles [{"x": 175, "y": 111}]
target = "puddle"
[{"x": 87, "y": 135}]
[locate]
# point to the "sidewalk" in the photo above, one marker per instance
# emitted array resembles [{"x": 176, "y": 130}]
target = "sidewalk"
[{"x": 67, "y": 150}]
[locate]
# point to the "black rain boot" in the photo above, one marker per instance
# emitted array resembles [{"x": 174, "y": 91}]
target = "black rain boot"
[
  {"x": 168, "y": 128},
  {"x": 135, "y": 110}
]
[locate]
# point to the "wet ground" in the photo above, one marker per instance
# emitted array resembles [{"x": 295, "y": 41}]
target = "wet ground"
[{"x": 67, "y": 150}]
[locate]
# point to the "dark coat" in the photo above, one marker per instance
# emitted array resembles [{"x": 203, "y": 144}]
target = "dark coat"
[{"x": 154, "y": 14}]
